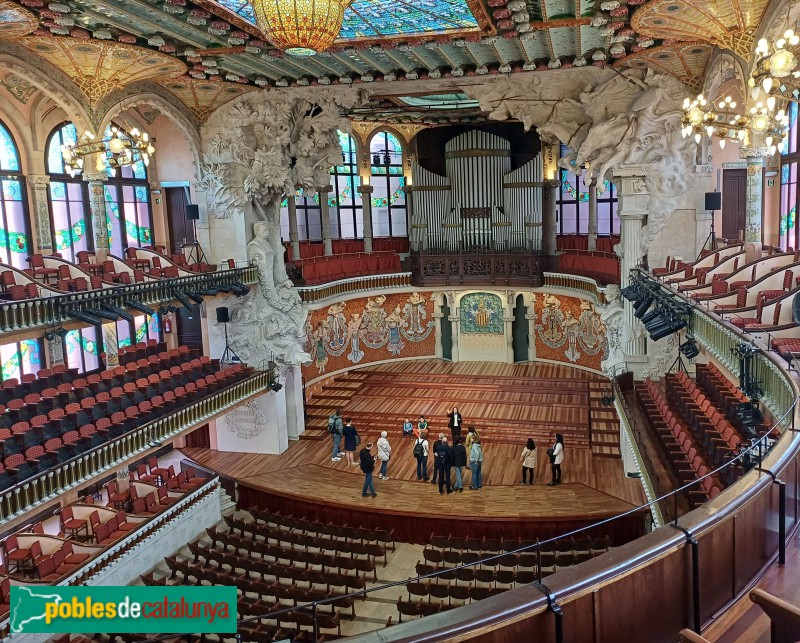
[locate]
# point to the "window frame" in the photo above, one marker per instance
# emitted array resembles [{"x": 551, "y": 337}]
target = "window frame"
[
  {"x": 396, "y": 160},
  {"x": 19, "y": 177}
]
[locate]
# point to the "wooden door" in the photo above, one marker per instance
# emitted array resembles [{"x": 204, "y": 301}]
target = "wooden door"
[
  {"x": 734, "y": 197},
  {"x": 180, "y": 228},
  {"x": 190, "y": 330}
]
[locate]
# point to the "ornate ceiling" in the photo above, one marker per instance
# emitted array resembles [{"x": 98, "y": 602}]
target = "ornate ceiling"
[{"x": 207, "y": 52}]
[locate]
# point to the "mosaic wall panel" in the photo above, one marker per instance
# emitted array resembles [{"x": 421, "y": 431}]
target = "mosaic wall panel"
[
  {"x": 481, "y": 313},
  {"x": 568, "y": 330},
  {"x": 369, "y": 329}
]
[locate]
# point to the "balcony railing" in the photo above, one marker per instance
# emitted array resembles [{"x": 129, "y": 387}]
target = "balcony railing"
[
  {"x": 28, "y": 314},
  {"x": 582, "y": 285},
  {"x": 79, "y": 470},
  {"x": 310, "y": 294},
  {"x": 489, "y": 269}
]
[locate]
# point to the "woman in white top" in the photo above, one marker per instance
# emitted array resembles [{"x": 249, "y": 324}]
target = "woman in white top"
[
  {"x": 384, "y": 453},
  {"x": 556, "y": 459},
  {"x": 422, "y": 458},
  {"x": 528, "y": 458}
]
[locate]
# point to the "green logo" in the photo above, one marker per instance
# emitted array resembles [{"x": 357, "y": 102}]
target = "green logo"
[{"x": 124, "y": 610}]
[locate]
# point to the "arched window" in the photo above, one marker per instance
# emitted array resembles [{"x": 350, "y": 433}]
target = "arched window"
[
  {"x": 573, "y": 205},
  {"x": 14, "y": 233},
  {"x": 128, "y": 207},
  {"x": 388, "y": 197},
  {"x": 347, "y": 217},
  {"x": 789, "y": 231},
  {"x": 70, "y": 215}
]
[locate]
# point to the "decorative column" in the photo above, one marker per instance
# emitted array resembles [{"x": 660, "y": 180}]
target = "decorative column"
[
  {"x": 366, "y": 205},
  {"x": 437, "y": 317},
  {"x": 97, "y": 204},
  {"x": 326, "y": 219},
  {"x": 549, "y": 219},
  {"x": 110, "y": 344},
  {"x": 632, "y": 208},
  {"x": 753, "y": 211},
  {"x": 413, "y": 234},
  {"x": 294, "y": 235},
  {"x": 508, "y": 325},
  {"x": 592, "y": 217},
  {"x": 39, "y": 186},
  {"x": 454, "y": 318}
]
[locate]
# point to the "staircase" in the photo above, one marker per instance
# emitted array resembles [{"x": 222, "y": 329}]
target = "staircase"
[{"x": 604, "y": 422}]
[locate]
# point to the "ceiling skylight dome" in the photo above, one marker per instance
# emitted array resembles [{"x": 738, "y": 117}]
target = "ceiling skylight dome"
[{"x": 300, "y": 27}]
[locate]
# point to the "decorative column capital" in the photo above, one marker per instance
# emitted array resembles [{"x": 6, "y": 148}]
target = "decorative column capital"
[
  {"x": 366, "y": 189},
  {"x": 755, "y": 153},
  {"x": 551, "y": 183},
  {"x": 38, "y": 181},
  {"x": 325, "y": 189},
  {"x": 95, "y": 177}
]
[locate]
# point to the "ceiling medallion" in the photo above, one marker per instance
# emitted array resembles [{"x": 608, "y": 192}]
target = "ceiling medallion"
[{"x": 301, "y": 27}]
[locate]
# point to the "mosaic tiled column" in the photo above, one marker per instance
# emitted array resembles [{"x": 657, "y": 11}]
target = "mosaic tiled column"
[
  {"x": 41, "y": 212},
  {"x": 592, "y": 241},
  {"x": 111, "y": 344},
  {"x": 549, "y": 223},
  {"x": 294, "y": 235},
  {"x": 326, "y": 219},
  {"x": 632, "y": 208},
  {"x": 753, "y": 202},
  {"x": 55, "y": 352},
  {"x": 366, "y": 204},
  {"x": 97, "y": 205}
]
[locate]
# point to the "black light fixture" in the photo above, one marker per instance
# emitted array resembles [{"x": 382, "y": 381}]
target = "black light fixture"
[
  {"x": 86, "y": 318},
  {"x": 196, "y": 297},
  {"x": 181, "y": 297},
  {"x": 60, "y": 332},
  {"x": 376, "y": 159},
  {"x": 119, "y": 312},
  {"x": 136, "y": 305},
  {"x": 642, "y": 306},
  {"x": 103, "y": 314},
  {"x": 386, "y": 158}
]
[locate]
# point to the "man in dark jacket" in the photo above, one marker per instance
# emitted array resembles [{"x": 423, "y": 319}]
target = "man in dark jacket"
[
  {"x": 443, "y": 459},
  {"x": 459, "y": 462},
  {"x": 433, "y": 450},
  {"x": 367, "y": 461}
]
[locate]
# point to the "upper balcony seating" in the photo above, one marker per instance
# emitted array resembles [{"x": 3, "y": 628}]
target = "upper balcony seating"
[
  {"x": 325, "y": 269},
  {"x": 50, "y": 419},
  {"x": 581, "y": 242},
  {"x": 311, "y": 249}
]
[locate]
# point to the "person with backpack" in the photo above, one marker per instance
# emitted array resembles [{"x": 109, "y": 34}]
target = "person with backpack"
[
  {"x": 367, "y": 462},
  {"x": 476, "y": 463},
  {"x": 420, "y": 452},
  {"x": 336, "y": 429},
  {"x": 443, "y": 455},
  {"x": 384, "y": 453},
  {"x": 459, "y": 462}
]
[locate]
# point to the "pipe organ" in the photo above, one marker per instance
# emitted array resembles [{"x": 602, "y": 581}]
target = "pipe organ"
[{"x": 481, "y": 206}]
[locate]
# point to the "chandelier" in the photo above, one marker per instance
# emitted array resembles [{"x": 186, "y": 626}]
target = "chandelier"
[
  {"x": 301, "y": 27},
  {"x": 703, "y": 118},
  {"x": 119, "y": 147},
  {"x": 777, "y": 68}
]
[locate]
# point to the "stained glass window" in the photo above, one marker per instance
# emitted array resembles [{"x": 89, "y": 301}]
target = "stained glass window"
[
  {"x": 573, "y": 205},
  {"x": 309, "y": 216},
  {"x": 70, "y": 214},
  {"x": 788, "y": 230},
  {"x": 147, "y": 328},
  {"x": 14, "y": 233},
  {"x": 388, "y": 197},
  {"x": 346, "y": 214},
  {"x": 81, "y": 350},
  {"x": 370, "y": 18},
  {"x": 20, "y": 358},
  {"x": 128, "y": 208}
]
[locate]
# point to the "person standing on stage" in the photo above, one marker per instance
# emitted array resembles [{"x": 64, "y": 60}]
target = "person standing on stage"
[
  {"x": 528, "y": 458},
  {"x": 433, "y": 450},
  {"x": 471, "y": 435},
  {"x": 384, "y": 453},
  {"x": 420, "y": 452},
  {"x": 443, "y": 460},
  {"x": 350, "y": 442},
  {"x": 336, "y": 430},
  {"x": 459, "y": 462},
  {"x": 556, "y": 453},
  {"x": 455, "y": 421},
  {"x": 476, "y": 463},
  {"x": 367, "y": 462}
]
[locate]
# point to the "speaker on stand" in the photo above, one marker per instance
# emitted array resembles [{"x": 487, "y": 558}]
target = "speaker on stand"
[
  {"x": 713, "y": 202},
  {"x": 196, "y": 254},
  {"x": 228, "y": 356}
]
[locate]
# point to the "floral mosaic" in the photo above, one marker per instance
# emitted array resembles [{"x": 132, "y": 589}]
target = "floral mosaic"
[
  {"x": 569, "y": 330},
  {"x": 481, "y": 313}
]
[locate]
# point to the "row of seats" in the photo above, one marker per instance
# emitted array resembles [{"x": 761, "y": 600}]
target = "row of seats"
[
  {"x": 581, "y": 242},
  {"x": 310, "y": 249},
  {"x": 681, "y": 450},
  {"x": 324, "y": 269}
]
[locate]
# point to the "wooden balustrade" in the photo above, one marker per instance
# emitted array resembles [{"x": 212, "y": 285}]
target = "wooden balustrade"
[
  {"x": 583, "y": 285},
  {"x": 28, "y": 314},
  {"x": 310, "y": 294},
  {"x": 79, "y": 470}
]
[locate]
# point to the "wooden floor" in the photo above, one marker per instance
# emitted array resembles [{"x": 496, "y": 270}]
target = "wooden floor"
[
  {"x": 510, "y": 402},
  {"x": 745, "y": 622}
]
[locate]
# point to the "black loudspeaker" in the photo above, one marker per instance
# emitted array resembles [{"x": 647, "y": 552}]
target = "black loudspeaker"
[
  {"x": 193, "y": 211},
  {"x": 713, "y": 200},
  {"x": 222, "y": 315}
]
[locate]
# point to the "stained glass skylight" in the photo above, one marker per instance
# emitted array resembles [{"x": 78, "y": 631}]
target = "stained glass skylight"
[{"x": 374, "y": 18}]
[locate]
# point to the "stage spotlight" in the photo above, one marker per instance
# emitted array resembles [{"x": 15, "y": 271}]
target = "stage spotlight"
[
  {"x": 629, "y": 292},
  {"x": 181, "y": 297},
  {"x": 650, "y": 316},
  {"x": 140, "y": 307},
  {"x": 122, "y": 314},
  {"x": 643, "y": 306},
  {"x": 209, "y": 292},
  {"x": 103, "y": 314},
  {"x": 88, "y": 319},
  {"x": 195, "y": 296},
  {"x": 276, "y": 386},
  {"x": 60, "y": 332}
]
